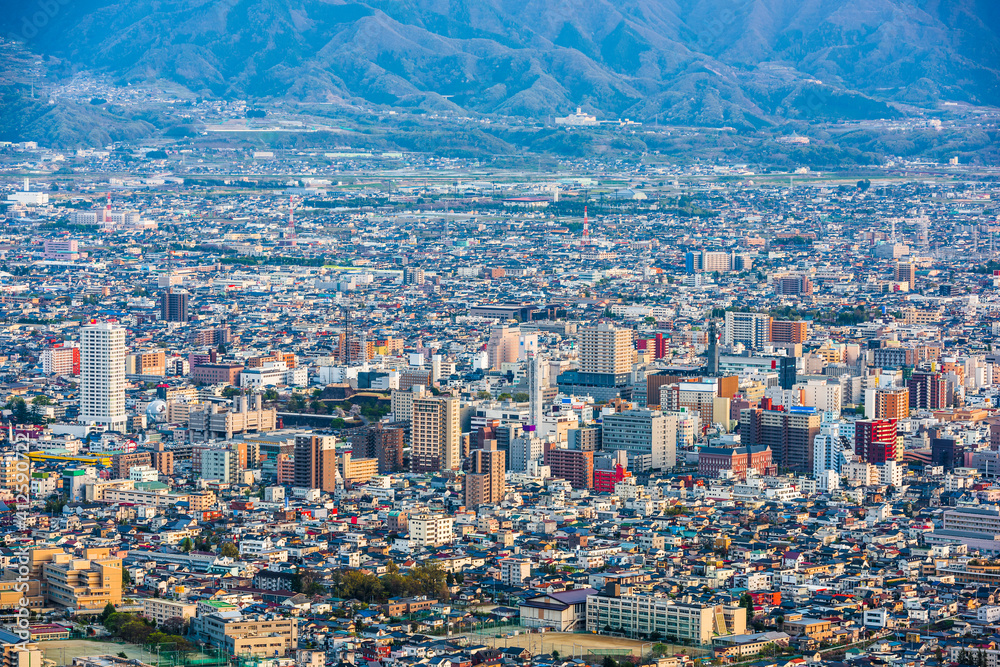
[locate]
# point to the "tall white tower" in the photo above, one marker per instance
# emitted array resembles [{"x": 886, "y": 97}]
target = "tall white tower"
[
  {"x": 102, "y": 374},
  {"x": 534, "y": 390}
]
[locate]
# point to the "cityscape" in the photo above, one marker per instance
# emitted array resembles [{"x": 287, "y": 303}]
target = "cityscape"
[{"x": 406, "y": 334}]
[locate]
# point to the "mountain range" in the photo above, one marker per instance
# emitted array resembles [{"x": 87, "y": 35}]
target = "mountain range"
[{"x": 741, "y": 63}]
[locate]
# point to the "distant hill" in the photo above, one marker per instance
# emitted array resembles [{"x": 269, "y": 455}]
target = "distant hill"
[{"x": 745, "y": 63}]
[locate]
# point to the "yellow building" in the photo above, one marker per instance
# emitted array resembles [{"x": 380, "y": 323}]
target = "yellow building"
[{"x": 81, "y": 584}]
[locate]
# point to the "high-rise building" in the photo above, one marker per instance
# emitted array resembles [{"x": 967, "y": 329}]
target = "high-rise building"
[
  {"x": 905, "y": 272},
  {"x": 875, "y": 440},
  {"x": 174, "y": 305},
  {"x": 792, "y": 286},
  {"x": 712, "y": 367},
  {"x": 789, "y": 433},
  {"x": 484, "y": 484},
  {"x": 534, "y": 391},
  {"x": 753, "y": 330},
  {"x": 102, "y": 375},
  {"x": 708, "y": 261},
  {"x": 928, "y": 390},
  {"x": 316, "y": 462},
  {"x": 586, "y": 438},
  {"x": 649, "y": 437},
  {"x": 607, "y": 350},
  {"x": 435, "y": 434},
  {"x": 523, "y": 448},
  {"x": 413, "y": 275},
  {"x": 573, "y": 465},
  {"x": 892, "y": 403},
  {"x": 503, "y": 345},
  {"x": 378, "y": 442}
]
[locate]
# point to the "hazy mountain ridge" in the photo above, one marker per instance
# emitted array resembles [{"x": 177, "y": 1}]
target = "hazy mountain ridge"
[{"x": 743, "y": 63}]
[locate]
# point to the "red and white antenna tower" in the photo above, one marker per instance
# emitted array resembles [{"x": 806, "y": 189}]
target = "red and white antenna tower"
[{"x": 586, "y": 227}]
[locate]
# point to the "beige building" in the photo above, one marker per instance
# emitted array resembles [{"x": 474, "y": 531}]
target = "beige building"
[
  {"x": 246, "y": 415},
  {"x": 160, "y": 610},
  {"x": 260, "y": 636},
  {"x": 80, "y": 584},
  {"x": 431, "y": 530},
  {"x": 435, "y": 434},
  {"x": 153, "y": 362},
  {"x": 485, "y": 482},
  {"x": 142, "y": 497},
  {"x": 502, "y": 347},
  {"x": 606, "y": 349},
  {"x": 356, "y": 470},
  {"x": 672, "y": 619},
  {"x": 402, "y": 402}
]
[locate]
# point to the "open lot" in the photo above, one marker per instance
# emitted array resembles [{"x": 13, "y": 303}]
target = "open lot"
[{"x": 570, "y": 643}]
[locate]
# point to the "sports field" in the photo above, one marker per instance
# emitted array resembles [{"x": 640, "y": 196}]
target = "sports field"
[{"x": 63, "y": 651}]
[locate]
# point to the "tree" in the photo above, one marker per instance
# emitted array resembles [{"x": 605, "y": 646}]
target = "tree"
[
  {"x": 521, "y": 397},
  {"x": 483, "y": 395},
  {"x": 108, "y": 610},
  {"x": 555, "y": 654},
  {"x": 126, "y": 578},
  {"x": 271, "y": 394},
  {"x": 186, "y": 544},
  {"x": 229, "y": 550},
  {"x": 609, "y": 662}
]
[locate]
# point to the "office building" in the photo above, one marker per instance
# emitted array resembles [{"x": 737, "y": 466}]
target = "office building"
[
  {"x": 316, "y": 462},
  {"x": 875, "y": 440},
  {"x": 735, "y": 462},
  {"x": 649, "y": 437},
  {"x": 752, "y": 330},
  {"x": 609, "y": 469},
  {"x": 246, "y": 414},
  {"x": 102, "y": 375},
  {"x": 174, "y": 305},
  {"x": 435, "y": 434},
  {"x": 523, "y": 448},
  {"x": 484, "y": 483}
]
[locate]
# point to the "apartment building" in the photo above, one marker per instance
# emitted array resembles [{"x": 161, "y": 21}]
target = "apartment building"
[
  {"x": 161, "y": 609},
  {"x": 430, "y": 530},
  {"x": 435, "y": 434}
]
